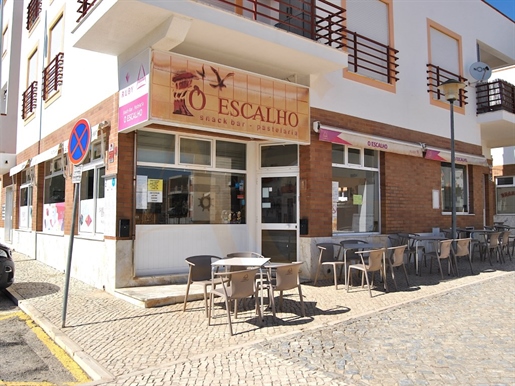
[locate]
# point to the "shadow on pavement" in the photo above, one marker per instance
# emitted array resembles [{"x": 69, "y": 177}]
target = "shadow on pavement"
[{"x": 29, "y": 290}]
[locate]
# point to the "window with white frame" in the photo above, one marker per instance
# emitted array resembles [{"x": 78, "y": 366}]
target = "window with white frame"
[
  {"x": 91, "y": 218},
  {"x": 355, "y": 189},
  {"x": 54, "y": 195},
  {"x": 505, "y": 194},
  {"x": 461, "y": 188},
  {"x": 4, "y": 40},
  {"x": 189, "y": 180},
  {"x": 25, "y": 209}
]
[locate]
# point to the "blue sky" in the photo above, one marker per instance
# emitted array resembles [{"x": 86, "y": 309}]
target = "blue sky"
[{"x": 505, "y": 6}]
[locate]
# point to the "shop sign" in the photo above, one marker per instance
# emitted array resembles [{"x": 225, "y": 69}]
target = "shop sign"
[
  {"x": 134, "y": 89},
  {"x": 201, "y": 94}
]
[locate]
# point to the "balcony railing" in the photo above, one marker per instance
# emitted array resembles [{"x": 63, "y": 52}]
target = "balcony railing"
[
  {"x": 436, "y": 76},
  {"x": 33, "y": 11},
  {"x": 496, "y": 95},
  {"x": 29, "y": 101},
  {"x": 84, "y": 8},
  {"x": 371, "y": 58},
  {"x": 318, "y": 20},
  {"x": 53, "y": 76}
]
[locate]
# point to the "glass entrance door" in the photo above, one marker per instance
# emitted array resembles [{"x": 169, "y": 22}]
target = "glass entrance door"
[{"x": 279, "y": 217}]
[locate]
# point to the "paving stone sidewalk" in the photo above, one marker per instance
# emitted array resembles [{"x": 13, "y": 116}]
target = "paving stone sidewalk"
[{"x": 454, "y": 331}]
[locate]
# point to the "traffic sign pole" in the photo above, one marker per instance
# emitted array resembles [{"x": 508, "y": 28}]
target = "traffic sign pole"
[
  {"x": 70, "y": 250},
  {"x": 78, "y": 147}
]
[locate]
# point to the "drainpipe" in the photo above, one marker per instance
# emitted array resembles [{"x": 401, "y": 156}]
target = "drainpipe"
[{"x": 2, "y": 39}]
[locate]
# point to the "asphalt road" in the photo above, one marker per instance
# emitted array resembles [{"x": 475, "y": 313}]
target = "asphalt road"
[{"x": 29, "y": 356}]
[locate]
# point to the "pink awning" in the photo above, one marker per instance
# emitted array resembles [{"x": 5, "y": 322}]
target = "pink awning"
[
  {"x": 461, "y": 158},
  {"x": 353, "y": 139}
]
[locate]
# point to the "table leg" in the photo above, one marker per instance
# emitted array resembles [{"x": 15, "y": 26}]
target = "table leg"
[
  {"x": 261, "y": 288},
  {"x": 346, "y": 273},
  {"x": 384, "y": 272},
  {"x": 416, "y": 258}
]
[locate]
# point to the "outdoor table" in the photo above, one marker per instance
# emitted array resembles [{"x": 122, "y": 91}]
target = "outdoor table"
[
  {"x": 350, "y": 246},
  {"x": 245, "y": 262},
  {"x": 418, "y": 239}
]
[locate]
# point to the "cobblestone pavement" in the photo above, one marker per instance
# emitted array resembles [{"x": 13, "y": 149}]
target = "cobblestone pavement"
[{"x": 458, "y": 331}]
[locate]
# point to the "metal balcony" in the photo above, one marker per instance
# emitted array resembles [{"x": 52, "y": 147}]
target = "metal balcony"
[
  {"x": 496, "y": 113},
  {"x": 271, "y": 37}
]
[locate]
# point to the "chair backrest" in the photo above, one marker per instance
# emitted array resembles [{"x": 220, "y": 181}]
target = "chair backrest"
[
  {"x": 327, "y": 252},
  {"x": 394, "y": 240},
  {"x": 505, "y": 237},
  {"x": 494, "y": 240},
  {"x": 397, "y": 257},
  {"x": 352, "y": 241},
  {"x": 375, "y": 259},
  {"x": 200, "y": 266},
  {"x": 351, "y": 253},
  {"x": 243, "y": 283},
  {"x": 463, "y": 247},
  {"x": 405, "y": 238},
  {"x": 444, "y": 248},
  {"x": 287, "y": 276},
  {"x": 244, "y": 254}
]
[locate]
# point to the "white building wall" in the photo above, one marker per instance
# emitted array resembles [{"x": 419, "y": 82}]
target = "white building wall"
[
  {"x": 88, "y": 77},
  {"x": 409, "y": 106},
  {"x": 10, "y": 74}
]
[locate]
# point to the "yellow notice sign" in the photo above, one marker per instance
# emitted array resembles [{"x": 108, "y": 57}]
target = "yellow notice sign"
[
  {"x": 154, "y": 190},
  {"x": 154, "y": 184},
  {"x": 357, "y": 199}
]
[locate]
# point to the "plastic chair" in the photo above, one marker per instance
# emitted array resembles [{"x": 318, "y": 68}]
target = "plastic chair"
[
  {"x": 405, "y": 238},
  {"x": 327, "y": 257},
  {"x": 200, "y": 273},
  {"x": 286, "y": 278},
  {"x": 395, "y": 260},
  {"x": 463, "y": 250},
  {"x": 235, "y": 286},
  {"x": 493, "y": 245},
  {"x": 441, "y": 251},
  {"x": 242, "y": 254},
  {"x": 505, "y": 243},
  {"x": 375, "y": 264}
]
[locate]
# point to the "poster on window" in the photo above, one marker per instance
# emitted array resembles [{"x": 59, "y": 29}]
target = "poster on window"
[
  {"x": 141, "y": 192},
  {"x": 53, "y": 217},
  {"x": 109, "y": 204},
  {"x": 335, "y": 205},
  {"x": 86, "y": 217}
]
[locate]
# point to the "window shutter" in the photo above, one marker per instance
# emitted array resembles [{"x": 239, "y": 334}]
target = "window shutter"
[{"x": 369, "y": 18}]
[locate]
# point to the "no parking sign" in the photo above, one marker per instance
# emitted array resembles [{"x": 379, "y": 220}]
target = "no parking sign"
[{"x": 78, "y": 144}]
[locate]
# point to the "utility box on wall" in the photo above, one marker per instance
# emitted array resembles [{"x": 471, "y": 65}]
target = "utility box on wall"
[
  {"x": 124, "y": 227},
  {"x": 304, "y": 226}
]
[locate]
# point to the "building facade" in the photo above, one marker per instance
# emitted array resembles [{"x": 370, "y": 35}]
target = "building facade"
[{"x": 174, "y": 129}]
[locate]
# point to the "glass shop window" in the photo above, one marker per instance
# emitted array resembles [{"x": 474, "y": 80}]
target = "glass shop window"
[
  {"x": 505, "y": 194},
  {"x": 167, "y": 194},
  {"x": 25, "y": 209},
  {"x": 54, "y": 196},
  {"x": 356, "y": 199},
  {"x": 461, "y": 188}
]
